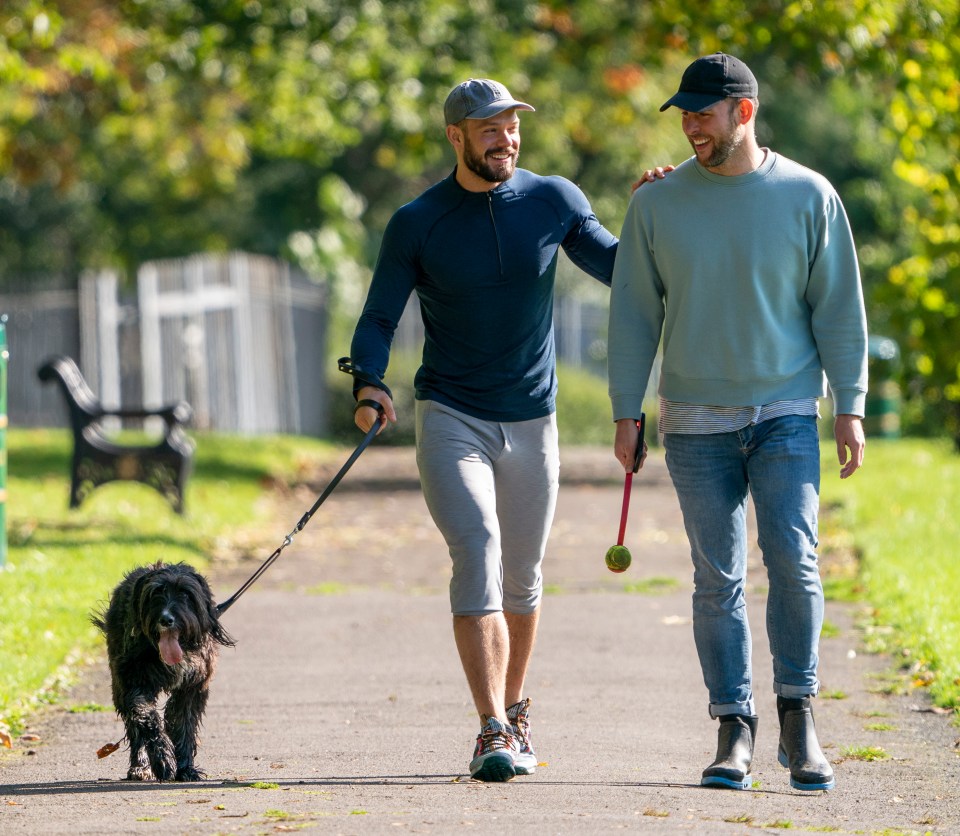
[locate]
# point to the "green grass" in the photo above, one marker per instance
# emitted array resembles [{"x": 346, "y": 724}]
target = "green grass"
[
  {"x": 62, "y": 564},
  {"x": 901, "y": 513},
  {"x": 833, "y": 695},
  {"x": 657, "y": 585},
  {"x": 864, "y": 753}
]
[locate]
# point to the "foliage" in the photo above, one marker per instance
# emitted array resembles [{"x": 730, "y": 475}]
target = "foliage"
[
  {"x": 901, "y": 512},
  {"x": 923, "y": 291},
  {"x": 132, "y": 130},
  {"x": 583, "y": 406},
  {"x": 583, "y": 409}
]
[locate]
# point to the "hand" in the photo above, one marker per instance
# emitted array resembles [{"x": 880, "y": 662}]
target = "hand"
[
  {"x": 848, "y": 430},
  {"x": 652, "y": 174},
  {"x": 364, "y": 416},
  {"x": 625, "y": 444}
]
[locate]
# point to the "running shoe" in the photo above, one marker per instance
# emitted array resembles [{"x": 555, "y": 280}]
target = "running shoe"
[
  {"x": 497, "y": 749},
  {"x": 518, "y": 715}
]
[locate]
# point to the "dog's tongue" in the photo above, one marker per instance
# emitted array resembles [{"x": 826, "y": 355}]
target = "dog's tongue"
[{"x": 170, "y": 650}]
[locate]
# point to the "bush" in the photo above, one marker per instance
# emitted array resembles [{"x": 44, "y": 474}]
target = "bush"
[{"x": 583, "y": 406}]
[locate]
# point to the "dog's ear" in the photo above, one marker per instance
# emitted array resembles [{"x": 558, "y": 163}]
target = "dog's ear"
[
  {"x": 220, "y": 635},
  {"x": 137, "y": 604},
  {"x": 204, "y": 600},
  {"x": 217, "y": 631},
  {"x": 98, "y": 618}
]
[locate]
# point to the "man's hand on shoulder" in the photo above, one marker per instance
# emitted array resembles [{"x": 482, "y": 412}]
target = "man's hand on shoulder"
[{"x": 652, "y": 174}]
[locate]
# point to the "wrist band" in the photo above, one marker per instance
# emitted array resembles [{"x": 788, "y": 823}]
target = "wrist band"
[
  {"x": 345, "y": 364},
  {"x": 368, "y": 402}
]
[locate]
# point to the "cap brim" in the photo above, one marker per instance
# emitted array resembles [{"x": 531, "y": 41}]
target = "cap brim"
[
  {"x": 692, "y": 102},
  {"x": 494, "y": 108}
]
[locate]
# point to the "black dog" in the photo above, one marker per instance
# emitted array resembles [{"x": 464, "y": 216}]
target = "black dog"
[{"x": 162, "y": 632}]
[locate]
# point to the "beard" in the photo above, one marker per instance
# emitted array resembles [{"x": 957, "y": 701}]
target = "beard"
[
  {"x": 724, "y": 146},
  {"x": 723, "y": 149},
  {"x": 487, "y": 168}
]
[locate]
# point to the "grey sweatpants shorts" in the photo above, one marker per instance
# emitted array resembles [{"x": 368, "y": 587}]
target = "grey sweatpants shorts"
[{"x": 491, "y": 488}]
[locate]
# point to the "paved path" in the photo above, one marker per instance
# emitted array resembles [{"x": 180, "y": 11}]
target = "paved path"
[{"x": 343, "y": 709}]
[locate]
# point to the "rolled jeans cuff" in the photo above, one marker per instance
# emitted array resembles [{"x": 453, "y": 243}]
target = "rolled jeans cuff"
[
  {"x": 748, "y": 709},
  {"x": 796, "y": 692}
]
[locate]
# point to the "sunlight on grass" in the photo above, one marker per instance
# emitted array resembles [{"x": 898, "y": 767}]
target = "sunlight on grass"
[
  {"x": 901, "y": 510},
  {"x": 829, "y": 630},
  {"x": 89, "y": 708},
  {"x": 864, "y": 753},
  {"x": 657, "y": 585},
  {"x": 328, "y": 588}
]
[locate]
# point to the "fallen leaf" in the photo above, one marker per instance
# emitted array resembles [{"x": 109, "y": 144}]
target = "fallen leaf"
[
  {"x": 30, "y": 737},
  {"x": 5, "y": 739},
  {"x": 108, "y": 749}
]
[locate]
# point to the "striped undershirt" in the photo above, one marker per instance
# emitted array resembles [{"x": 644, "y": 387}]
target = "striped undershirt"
[{"x": 698, "y": 419}]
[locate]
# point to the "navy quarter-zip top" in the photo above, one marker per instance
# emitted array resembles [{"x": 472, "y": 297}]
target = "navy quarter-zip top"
[{"x": 483, "y": 265}]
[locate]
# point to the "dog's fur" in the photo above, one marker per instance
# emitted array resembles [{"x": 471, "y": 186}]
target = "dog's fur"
[{"x": 163, "y": 635}]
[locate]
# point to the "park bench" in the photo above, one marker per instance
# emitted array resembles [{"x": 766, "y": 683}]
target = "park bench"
[{"x": 99, "y": 458}]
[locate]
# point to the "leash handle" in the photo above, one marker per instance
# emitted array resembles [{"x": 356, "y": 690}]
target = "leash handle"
[
  {"x": 627, "y": 485},
  {"x": 362, "y": 376},
  {"x": 641, "y": 429},
  {"x": 222, "y": 608},
  {"x": 628, "y": 478}
]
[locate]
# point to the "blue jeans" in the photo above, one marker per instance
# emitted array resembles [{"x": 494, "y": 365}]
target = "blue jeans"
[{"x": 776, "y": 462}]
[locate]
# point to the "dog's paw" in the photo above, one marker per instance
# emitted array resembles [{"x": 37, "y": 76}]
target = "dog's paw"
[
  {"x": 140, "y": 773},
  {"x": 190, "y": 773},
  {"x": 164, "y": 768}
]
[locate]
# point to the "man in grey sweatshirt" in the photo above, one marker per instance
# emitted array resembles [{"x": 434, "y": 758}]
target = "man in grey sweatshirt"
[{"x": 743, "y": 263}]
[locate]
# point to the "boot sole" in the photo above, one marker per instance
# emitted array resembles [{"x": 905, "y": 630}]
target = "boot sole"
[
  {"x": 727, "y": 783},
  {"x": 799, "y": 785}
]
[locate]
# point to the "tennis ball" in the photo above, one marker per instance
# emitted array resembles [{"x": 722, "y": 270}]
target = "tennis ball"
[{"x": 618, "y": 558}]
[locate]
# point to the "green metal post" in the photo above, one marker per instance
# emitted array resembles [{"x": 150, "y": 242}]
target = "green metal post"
[
  {"x": 4, "y": 357},
  {"x": 882, "y": 418}
]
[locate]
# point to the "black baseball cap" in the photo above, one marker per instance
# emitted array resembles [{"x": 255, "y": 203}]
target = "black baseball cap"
[
  {"x": 712, "y": 78},
  {"x": 479, "y": 98}
]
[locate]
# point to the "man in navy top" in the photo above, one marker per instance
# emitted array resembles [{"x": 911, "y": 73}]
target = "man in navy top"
[{"x": 479, "y": 248}]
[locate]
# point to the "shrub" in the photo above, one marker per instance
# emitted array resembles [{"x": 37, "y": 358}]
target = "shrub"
[{"x": 583, "y": 406}]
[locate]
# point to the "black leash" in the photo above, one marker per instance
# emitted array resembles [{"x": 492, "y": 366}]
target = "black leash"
[{"x": 222, "y": 608}]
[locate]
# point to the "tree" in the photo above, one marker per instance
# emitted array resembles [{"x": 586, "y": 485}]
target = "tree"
[{"x": 132, "y": 130}]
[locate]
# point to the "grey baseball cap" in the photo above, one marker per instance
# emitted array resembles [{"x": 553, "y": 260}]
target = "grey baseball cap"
[
  {"x": 712, "y": 78},
  {"x": 479, "y": 98}
]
